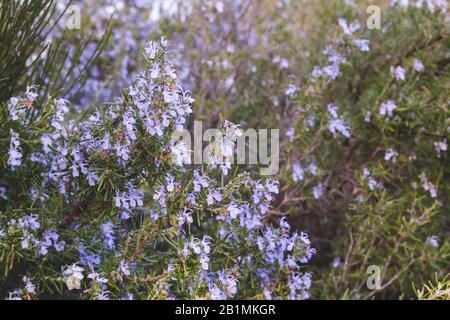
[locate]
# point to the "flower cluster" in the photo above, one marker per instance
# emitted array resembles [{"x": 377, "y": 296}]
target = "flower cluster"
[
  {"x": 221, "y": 152},
  {"x": 336, "y": 124},
  {"x": 93, "y": 177},
  {"x": 336, "y": 58}
]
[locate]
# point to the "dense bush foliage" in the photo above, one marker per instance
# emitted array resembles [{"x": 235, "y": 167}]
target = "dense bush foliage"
[
  {"x": 374, "y": 122},
  {"x": 95, "y": 199}
]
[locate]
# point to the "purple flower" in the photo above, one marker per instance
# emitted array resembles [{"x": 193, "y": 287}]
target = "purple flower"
[
  {"x": 337, "y": 125},
  {"x": 418, "y": 65},
  {"x": 151, "y": 49},
  {"x": 428, "y": 186},
  {"x": 15, "y": 152},
  {"x": 200, "y": 181},
  {"x": 362, "y": 44},
  {"x": 105, "y": 143},
  {"x": 3, "y": 193},
  {"x": 440, "y": 146},
  {"x": 387, "y": 108},
  {"x": 124, "y": 267},
  {"x": 348, "y": 29},
  {"x": 122, "y": 151},
  {"x": 29, "y": 286},
  {"x": 47, "y": 141},
  {"x": 30, "y": 222},
  {"x": 94, "y": 276},
  {"x": 14, "y": 110},
  {"x": 92, "y": 178},
  {"x": 185, "y": 216},
  {"x": 390, "y": 154},
  {"x": 90, "y": 260},
  {"x": 107, "y": 229},
  {"x": 103, "y": 295},
  {"x": 318, "y": 191},
  {"x": 233, "y": 210},
  {"x": 297, "y": 172},
  {"x": 433, "y": 241},
  {"x": 398, "y": 72}
]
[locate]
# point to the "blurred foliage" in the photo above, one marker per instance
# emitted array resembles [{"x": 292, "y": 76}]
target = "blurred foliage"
[{"x": 35, "y": 48}]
